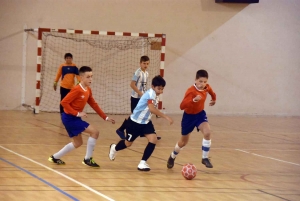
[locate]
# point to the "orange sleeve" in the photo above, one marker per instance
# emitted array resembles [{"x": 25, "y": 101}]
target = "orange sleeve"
[
  {"x": 67, "y": 100},
  {"x": 58, "y": 74},
  {"x": 91, "y": 101},
  {"x": 187, "y": 100},
  {"x": 212, "y": 93}
]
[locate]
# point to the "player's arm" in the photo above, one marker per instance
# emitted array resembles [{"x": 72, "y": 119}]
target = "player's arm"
[
  {"x": 133, "y": 86},
  {"x": 213, "y": 96},
  {"x": 188, "y": 100},
  {"x": 91, "y": 101},
  {"x": 77, "y": 75},
  {"x": 155, "y": 111},
  {"x": 58, "y": 75},
  {"x": 68, "y": 99}
]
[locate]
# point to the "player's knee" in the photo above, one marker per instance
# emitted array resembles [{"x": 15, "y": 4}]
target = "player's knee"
[
  {"x": 95, "y": 134},
  {"x": 127, "y": 143},
  {"x": 207, "y": 134},
  {"x": 77, "y": 144}
]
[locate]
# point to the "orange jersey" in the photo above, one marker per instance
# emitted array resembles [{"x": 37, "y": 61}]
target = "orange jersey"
[
  {"x": 67, "y": 73},
  {"x": 77, "y": 98},
  {"x": 191, "y": 107}
]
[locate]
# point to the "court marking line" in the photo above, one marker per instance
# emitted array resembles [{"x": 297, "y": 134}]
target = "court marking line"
[
  {"x": 267, "y": 157},
  {"x": 61, "y": 174},
  {"x": 42, "y": 180}
]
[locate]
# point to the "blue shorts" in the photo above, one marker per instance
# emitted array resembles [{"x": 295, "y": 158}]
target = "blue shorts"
[
  {"x": 74, "y": 125},
  {"x": 190, "y": 121}
]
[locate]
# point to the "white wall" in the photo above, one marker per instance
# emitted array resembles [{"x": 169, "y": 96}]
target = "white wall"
[{"x": 250, "y": 51}]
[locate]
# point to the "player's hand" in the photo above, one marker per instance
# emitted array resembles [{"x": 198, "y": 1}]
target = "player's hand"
[
  {"x": 111, "y": 120},
  {"x": 54, "y": 86},
  {"x": 82, "y": 114},
  {"x": 170, "y": 120},
  {"x": 212, "y": 103},
  {"x": 197, "y": 98}
]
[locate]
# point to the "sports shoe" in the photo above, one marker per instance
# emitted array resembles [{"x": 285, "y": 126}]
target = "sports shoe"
[
  {"x": 57, "y": 161},
  {"x": 112, "y": 152},
  {"x": 207, "y": 163},
  {"x": 170, "y": 163},
  {"x": 143, "y": 166},
  {"x": 121, "y": 134},
  {"x": 90, "y": 162}
]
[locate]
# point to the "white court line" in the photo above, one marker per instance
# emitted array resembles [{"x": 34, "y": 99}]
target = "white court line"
[
  {"x": 61, "y": 174},
  {"x": 268, "y": 157}
]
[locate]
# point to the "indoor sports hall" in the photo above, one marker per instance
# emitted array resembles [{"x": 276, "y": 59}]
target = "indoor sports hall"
[{"x": 250, "y": 50}]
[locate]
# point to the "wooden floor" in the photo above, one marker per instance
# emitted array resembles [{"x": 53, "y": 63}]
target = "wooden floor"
[{"x": 254, "y": 158}]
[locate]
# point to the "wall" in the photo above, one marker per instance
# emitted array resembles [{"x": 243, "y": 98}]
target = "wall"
[{"x": 251, "y": 51}]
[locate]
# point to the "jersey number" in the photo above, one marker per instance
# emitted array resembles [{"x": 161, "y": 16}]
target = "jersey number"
[{"x": 130, "y": 136}]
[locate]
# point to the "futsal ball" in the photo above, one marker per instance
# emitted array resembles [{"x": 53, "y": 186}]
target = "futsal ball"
[{"x": 189, "y": 171}]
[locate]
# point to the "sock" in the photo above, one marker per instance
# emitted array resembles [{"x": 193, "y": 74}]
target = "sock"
[
  {"x": 205, "y": 148},
  {"x": 66, "y": 149},
  {"x": 121, "y": 145},
  {"x": 176, "y": 151},
  {"x": 148, "y": 151},
  {"x": 90, "y": 147},
  {"x": 123, "y": 126}
]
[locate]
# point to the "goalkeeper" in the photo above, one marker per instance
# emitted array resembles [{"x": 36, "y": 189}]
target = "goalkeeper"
[{"x": 67, "y": 72}]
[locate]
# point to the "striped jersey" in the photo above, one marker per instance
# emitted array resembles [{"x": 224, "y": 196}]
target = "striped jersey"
[
  {"x": 141, "y": 114},
  {"x": 67, "y": 73},
  {"x": 77, "y": 98},
  {"x": 141, "y": 82},
  {"x": 191, "y": 107}
]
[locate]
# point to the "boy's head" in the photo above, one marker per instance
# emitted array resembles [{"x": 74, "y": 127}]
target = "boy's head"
[
  {"x": 68, "y": 58},
  {"x": 144, "y": 62},
  {"x": 86, "y": 75},
  {"x": 201, "y": 79},
  {"x": 158, "y": 84}
]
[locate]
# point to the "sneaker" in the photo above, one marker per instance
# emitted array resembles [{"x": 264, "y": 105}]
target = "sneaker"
[
  {"x": 143, "y": 166},
  {"x": 90, "y": 162},
  {"x": 170, "y": 163},
  {"x": 158, "y": 138},
  {"x": 121, "y": 134},
  {"x": 207, "y": 163},
  {"x": 112, "y": 152},
  {"x": 57, "y": 161}
]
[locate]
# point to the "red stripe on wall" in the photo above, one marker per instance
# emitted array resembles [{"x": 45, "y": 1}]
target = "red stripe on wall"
[
  {"x": 39, "y": 51},
  {"x": 79, "y": 31},
  {"x": 62, "y": 31},
  {"x": 38, "y": 84},
  {"x": 37, "y": 101},
  {"x": 111, "y": 33},
  {"x": 161, "y": 72},
  {"x": 38, "y": 68},
  {"x": 162, "y": 56},
  {"x": 143, "y": 34},
  {"x": 126, "y": 34},
  {"x": 163, "y": 42},
  {"x": 95, "y": 32},
  {"x": 41, "y": 30},
  {"x": 158, "y": 35}
]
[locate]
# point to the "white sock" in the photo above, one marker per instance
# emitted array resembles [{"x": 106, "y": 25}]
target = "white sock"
[
  {"x": 90, "y": 147},
  {"x": 205, "y": 147},
  {"x": 176, "y": 151},
  {"x": 66, "y": 149}
]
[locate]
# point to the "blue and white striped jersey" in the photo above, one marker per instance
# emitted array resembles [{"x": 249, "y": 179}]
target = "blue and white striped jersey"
[
  {"x": 141, "y": 82},
  {"x": 141, "y": 114}
]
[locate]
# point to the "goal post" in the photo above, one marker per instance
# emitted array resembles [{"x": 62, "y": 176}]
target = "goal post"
[{"x": 113, "y": 56}]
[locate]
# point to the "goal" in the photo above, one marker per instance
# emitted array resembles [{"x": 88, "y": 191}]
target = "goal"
[{"x": 113, "y": 56}]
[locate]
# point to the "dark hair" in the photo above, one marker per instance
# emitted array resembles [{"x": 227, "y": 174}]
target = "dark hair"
[
  {"x": 144, "y": 58},
  {"x": 201, "y": 73},
  {"x": 158, "y": 81},
  {"x": 68, "y": 55},
  {"x": 84, "y": 69}
]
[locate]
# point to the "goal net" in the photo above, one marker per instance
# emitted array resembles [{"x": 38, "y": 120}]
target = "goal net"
[{"x": 113, "y": 56}]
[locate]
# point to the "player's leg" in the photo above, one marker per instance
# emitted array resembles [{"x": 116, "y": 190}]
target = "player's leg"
[
  {"x": 206, "y": 143},
  {"x": 91, "y": 142},
  {"x": 63, "y": 93},
  {"x": 187, "y": 126},
  {"x": 152, "y": 140},
  {"x": 133, "y": 131}
]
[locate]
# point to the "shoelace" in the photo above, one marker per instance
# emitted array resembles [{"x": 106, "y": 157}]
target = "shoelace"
[{"x": 92, "y": 161}]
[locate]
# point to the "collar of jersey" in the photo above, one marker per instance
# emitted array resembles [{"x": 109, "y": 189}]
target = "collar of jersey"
[
  {"x": 82, "y": 87},
  {"x": 197, "y": 88}
]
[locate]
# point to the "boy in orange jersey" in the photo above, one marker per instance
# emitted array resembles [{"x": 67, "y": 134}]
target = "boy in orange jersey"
[
  {"x": 73, "y": 105},
  {"x": 195, "y": 116},
  {"x": 67, "y": 72}
]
